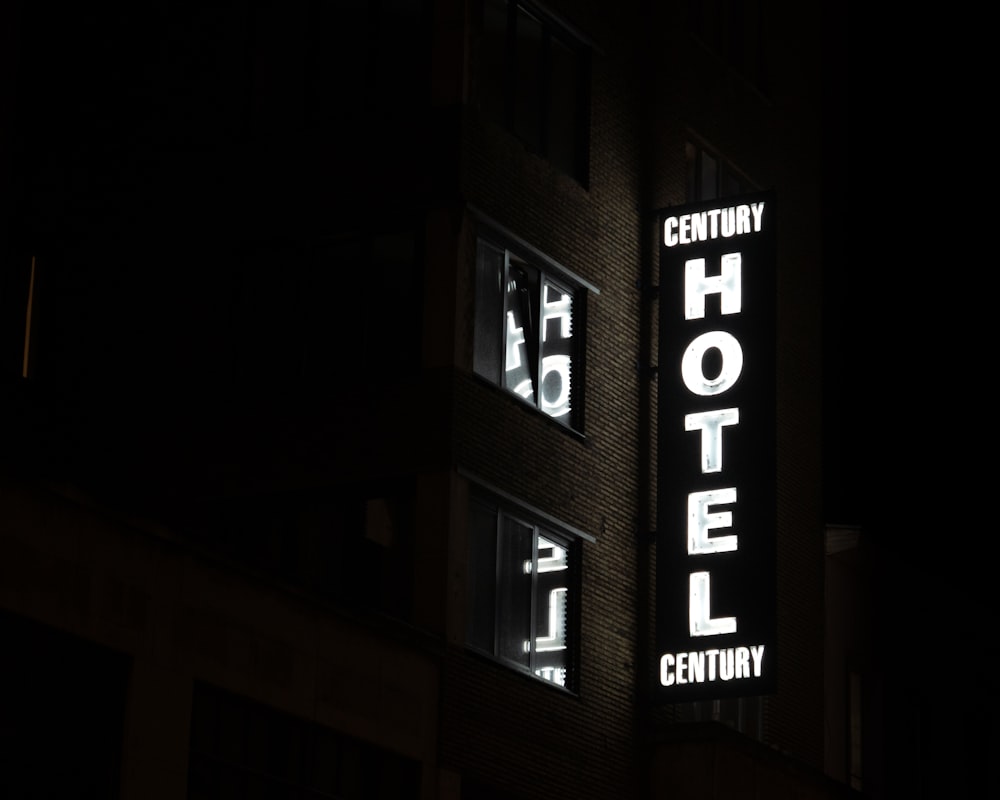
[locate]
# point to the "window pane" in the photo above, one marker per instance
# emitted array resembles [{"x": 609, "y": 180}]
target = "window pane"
[
  {"x": 529, "y": 86},
  {"x": 557, "y": 351},
  {"x": 551, "y": 611},
  {"x": 526, "y": 334},
  {"x": 492, "y": 53},
  {"x": 482, "y": 576},
  {"x": 564, "y": 113},
  {"x": 515, "y": 572},
  {"x": 488, "y": 342},
  {"x": 709, "y": 177},
  {"x": 521, "y": 356},
  {"x": 731, "y": 184}
]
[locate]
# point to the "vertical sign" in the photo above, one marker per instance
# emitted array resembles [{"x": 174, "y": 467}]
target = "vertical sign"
[{"x": 715, "y": 545}]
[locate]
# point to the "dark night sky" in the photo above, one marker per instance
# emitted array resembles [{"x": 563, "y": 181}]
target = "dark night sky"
[{"x": 843, "y": 317}]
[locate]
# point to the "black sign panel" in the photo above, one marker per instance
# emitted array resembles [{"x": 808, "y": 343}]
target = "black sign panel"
[{"x": 715, "y": 546}]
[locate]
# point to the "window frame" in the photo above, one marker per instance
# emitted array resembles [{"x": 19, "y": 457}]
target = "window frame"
[
  {"x": 736, "y": 31},
  {"x": 553, "y": 33},
  {"x": 504, "y": 509},
  {"x": 549, "y": 272},
  {"x": 728, "y": 181}
]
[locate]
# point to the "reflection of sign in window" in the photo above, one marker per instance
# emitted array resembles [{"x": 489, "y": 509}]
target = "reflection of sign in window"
[
  {"x": 524, "y": 332},
  {"x": 520, "y": 593}
]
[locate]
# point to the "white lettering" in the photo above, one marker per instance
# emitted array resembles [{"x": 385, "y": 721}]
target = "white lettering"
[
  {"x": 700, "y": 612},
  {"x": 712, "y": 655},
  {"x": 666, "y": 669},
  {"x": 708, "y": 666},
  {"x": 696, "y": 667},
  {"x": 701, "y": 521},
  {"x": 726, "y": 664},
  {"x": 713, "y": 216},
  {"x": 728, "y": 223},
  {"x": 670, "y": 231},
  {"x": 711, "y": 423},
  {"x": 702, "y": 226},
  {"x": 727, "y": 284},
  {"x": 742, "y": 662},
  {"x": 692, "y": 363}
]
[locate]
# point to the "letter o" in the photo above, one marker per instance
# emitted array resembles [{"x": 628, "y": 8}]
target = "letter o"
[
  {"x": 732, "y": 363},
  {"x": 560, "y": 365}
]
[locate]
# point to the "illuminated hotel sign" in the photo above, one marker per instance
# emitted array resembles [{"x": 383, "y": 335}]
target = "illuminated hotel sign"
[{"x": 715, "y": 546}]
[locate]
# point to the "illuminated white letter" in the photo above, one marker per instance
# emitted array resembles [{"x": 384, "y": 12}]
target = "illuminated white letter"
[
  {"x": 711, "y": 654},
  {"x": 732, "y": 363},
  {"x": 757, "y": 651},
  {"x": 670, "y": 231},
  {"x": 728, "y": 283},
  {"x": 711, "y": 423},
  {"x": 701, "y": 521},
  {"x": 742, "y": 662},
  {"x": 757, "y": 209},
  {"x": 666, "y": 674},
  {"x": 696, "y": 667},
  {"x": 726, "y": 666},
  {"x": 685, "y": 234},
  {"x": 700, "y": 612},
  {"x": 713, "y": 218},
  {"x": 728, "y": 222},
  {"x": 681, "y": 666},
  {"x": 743, "y": 219},
  {"x": 698, "y": 227}
]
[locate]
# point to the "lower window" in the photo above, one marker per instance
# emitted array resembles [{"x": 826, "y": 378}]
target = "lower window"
[
  {"x": 241, "y": 748},
  {"x": 523, "y": 592}
]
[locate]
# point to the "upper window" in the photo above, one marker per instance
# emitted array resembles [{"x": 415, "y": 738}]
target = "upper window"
[
  {"x": 710, "y": 176},
  {"x": 527, "y": 339},
  {"x": 535, "y": 78},
  {"x": 735, "y": 30},
  {"x": 523, "y": 591}
]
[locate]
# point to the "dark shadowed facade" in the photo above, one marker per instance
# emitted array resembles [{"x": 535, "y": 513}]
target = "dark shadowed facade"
[{"x": 330, "y": 341}]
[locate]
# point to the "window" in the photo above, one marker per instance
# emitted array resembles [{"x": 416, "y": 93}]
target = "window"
[
  {"x": 523, "y": 590},
  {"x": 241, "y": 748},
  {"x": 527, "y": 336},
  {"x": 855, "y": 729},
  {"x": 743, "y": 714},
  {"x": 710, "y": 177},
  {"x": 534, "y": 78},
  {"x": 734, "y": 29},
  {"x": 62, "y": 706}
]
